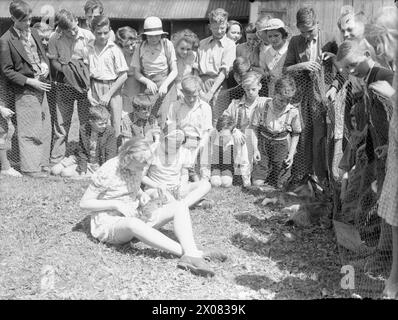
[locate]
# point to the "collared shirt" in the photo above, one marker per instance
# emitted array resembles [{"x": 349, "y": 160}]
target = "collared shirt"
[
  {"x": 107, "y": 64},
  {"x": 215, "y": 55},
  {"x": 199, "y": 116},
  {"x": 247, "y": 119},
  {"x": 63, "y": 48},
  {"x": 278, "y": 122},
  {"x": 154, "y": 60},
  {"x": 273, "y": 60}
]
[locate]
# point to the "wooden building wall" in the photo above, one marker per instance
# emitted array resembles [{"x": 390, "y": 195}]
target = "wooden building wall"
[{"x": 328, "y": 12}]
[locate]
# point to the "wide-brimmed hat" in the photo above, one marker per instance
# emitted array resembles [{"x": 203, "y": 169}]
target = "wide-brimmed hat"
[
  {"x": 274, "y": 24},
  {"x": 153, "y": 27}
]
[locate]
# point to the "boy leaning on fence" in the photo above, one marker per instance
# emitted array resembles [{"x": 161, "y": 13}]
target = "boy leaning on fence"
[
  {"x": 25, "y": 66},
  {"x": 68, "y": 45},
  {"x": 303, "y": 58},
  {"x": 216, "y": 55}
]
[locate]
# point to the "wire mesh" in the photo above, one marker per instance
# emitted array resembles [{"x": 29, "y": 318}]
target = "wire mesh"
[{"x": 331, "y": 132}]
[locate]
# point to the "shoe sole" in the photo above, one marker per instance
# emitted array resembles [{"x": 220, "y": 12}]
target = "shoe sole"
[{"x": 194, "y": 270}]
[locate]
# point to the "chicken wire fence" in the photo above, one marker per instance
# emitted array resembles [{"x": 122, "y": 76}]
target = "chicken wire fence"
[{"x": 328, "y": 129}]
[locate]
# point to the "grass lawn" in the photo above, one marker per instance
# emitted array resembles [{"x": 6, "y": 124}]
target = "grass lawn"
[{"x": 43, "y": 232}]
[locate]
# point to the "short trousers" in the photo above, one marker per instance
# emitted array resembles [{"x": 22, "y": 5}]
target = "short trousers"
[{"x": 106, "y": 226}]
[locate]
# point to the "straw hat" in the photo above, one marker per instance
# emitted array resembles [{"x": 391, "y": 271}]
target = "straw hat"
[
  {"x": 274, "y": 24},
  {"x": 153, "y": 27}
]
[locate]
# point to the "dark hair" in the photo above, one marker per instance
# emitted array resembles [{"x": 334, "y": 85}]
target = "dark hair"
[
  {"x": 100, "y": 21},
  {"x": 187, "y": 36},
  {"x": 234, "y": 22},
  {"x": 19, "y": 9},
  {"x": 96, "y": 113},
  {"x": 93, "y": 4},
  {"x": 305, "y": 17},
  {"x": 125, "y": 33},
  {"x": 285, "y": 81},
  {"x": 64, "y": 19},
  {"x": 250, "y": 28},
  {"x": 282, "y": 31},
  {"x": 241, "y": 65},
  {"x": 225, "y": 122}
]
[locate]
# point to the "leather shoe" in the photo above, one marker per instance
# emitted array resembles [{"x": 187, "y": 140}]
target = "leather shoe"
[
  {"x": 197, "y": 266},
  {"x": 36, "y": 175}
]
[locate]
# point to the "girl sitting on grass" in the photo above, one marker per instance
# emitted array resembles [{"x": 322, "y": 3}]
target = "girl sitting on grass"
[{"x": 118, "y": 214}]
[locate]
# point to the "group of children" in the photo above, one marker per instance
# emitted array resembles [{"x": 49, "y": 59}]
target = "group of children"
[
  {"x": 132, "y": 86},
  {"x": 167, "y": 92}
]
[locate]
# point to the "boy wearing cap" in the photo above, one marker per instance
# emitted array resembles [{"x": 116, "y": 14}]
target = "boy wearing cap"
[
  {"x": 140, "y": 122},
  {"x": 192, "y": 111},
  {"x": 216, "y": 55},
  {"x": 155, "y": 61}
]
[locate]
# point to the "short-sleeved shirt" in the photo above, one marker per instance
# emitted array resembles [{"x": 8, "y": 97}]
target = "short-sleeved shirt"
[
  {"x": 247, "y": 115},
  {"x": 63, "y": 49},
  {"x": 132, "y": 126},
  {"x": 186, "y": 66},
  {"x": 108, "y": 64},
  {"x": 109, "y": 184},
  {"x": 154, "y": 60},
  {"x": 216, "y": 55},
  {"x": 165, "y": 171},
  {"x": 199, "y": 116},
  {"x": 273, "y": 60},
  {"x": 278, "y": 122}
]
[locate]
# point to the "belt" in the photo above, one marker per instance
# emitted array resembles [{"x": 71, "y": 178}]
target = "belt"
[
  {"x": 104, "y": 81},
  {"x": 273, "y": 136}
]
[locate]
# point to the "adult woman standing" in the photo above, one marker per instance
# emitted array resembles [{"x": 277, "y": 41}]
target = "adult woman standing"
[
  {"x": 120, "y": 209},
  {"x": 273, "y": 59}
]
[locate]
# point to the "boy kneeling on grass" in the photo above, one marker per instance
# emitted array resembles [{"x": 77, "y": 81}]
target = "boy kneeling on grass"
[
  {"x": 97, "y": 144},
  {"x": 167, "y": 175}
]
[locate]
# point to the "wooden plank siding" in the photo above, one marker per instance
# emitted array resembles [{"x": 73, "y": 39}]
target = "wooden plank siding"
[{"x": 328, "y": 12}]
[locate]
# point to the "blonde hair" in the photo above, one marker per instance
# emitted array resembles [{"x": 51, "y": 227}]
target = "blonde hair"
[
  {"x": 218, "y": 15},
  {"x": 132, "y": 150},
  {"x": 348, "y": 47},
  {"x": 250, "y": 78}
]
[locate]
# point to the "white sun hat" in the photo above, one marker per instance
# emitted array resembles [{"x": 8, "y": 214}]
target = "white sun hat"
[
  {"x": 153, "y": 27},
  {"x": 274, "y": 23}
]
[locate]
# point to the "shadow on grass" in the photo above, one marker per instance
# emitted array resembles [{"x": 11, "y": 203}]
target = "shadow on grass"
[
  {"x": 130, "y": 247},
  {"x": 304, "y": 289}
]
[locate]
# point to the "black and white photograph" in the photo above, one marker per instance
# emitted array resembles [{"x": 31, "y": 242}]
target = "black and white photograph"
[{"x": 218, "y": 151}]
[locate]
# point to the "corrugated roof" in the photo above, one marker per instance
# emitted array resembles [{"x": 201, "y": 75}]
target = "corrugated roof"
[{"x": 139, "y": 9}]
